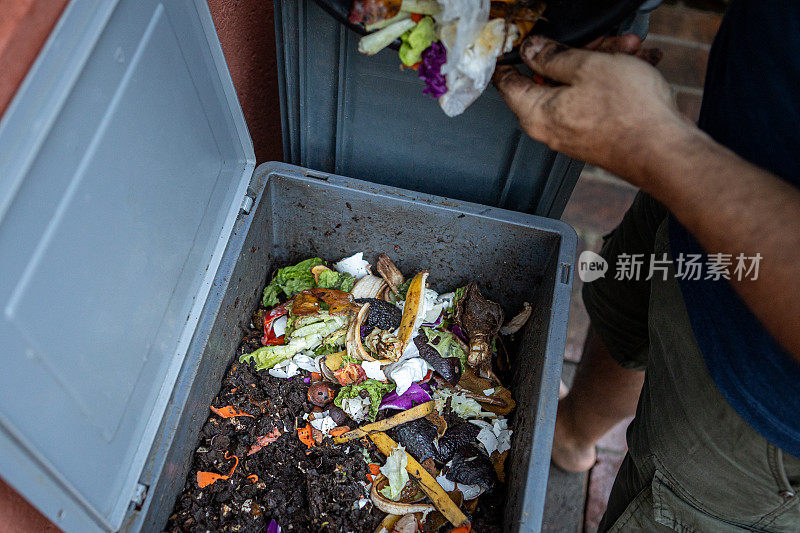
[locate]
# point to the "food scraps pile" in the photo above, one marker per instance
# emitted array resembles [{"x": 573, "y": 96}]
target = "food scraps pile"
[
  {"x": 360, "y": 402},
  {"x": 453, "y": 44}
]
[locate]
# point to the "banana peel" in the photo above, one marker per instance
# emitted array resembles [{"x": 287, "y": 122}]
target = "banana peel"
[
  {"x": 413, "y": 310},
  {"x": 355, "y": 348}
]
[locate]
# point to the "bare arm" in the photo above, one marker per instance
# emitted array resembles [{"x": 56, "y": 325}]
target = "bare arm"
[{"x": 616, "y": 112}]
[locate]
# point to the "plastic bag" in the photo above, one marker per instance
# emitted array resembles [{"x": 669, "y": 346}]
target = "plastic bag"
[{"x": 473, "y": 45}]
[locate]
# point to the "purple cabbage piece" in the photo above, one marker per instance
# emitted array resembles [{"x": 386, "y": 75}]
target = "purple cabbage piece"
[
  {"x": 415, "y": 395},
  {"x": 430, "y": 70},
  {"x": 458, "y": 332},
  {"x": 435, "y": 323},
  {"x": 273, "y": 527}
]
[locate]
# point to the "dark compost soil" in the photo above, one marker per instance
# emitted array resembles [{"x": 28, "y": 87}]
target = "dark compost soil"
[{"x": 302, "y": 489}]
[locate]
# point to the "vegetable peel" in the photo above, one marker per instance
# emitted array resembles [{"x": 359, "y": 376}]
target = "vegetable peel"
[
  {"x": 305, "y": 435},
  {"x": 426, "y": 482},
  {"x": 413, "y": 309},
  {"x": 205, "y": 479},
  {"x": 229, "y": 411},
  {"x": 408, "y": 415}
]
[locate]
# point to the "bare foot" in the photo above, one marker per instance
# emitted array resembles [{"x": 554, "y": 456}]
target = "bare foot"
[{"x": 569, "y": 452}]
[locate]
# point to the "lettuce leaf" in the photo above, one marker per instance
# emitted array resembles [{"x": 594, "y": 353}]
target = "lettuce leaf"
[
  {"x": 446, "y": 344},
  {"x": 326, "y": 349},
  {"x": 374, "y": 388},
  {"x": 290, "y": 280},
  {"x": 342, "y": 281},
  {"x": 395, "y": 471},
  {"x": 402, "y": 292}
]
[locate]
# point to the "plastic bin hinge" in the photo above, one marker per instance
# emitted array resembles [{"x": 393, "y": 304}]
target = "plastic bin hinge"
[
  {"x": 566, "y": 270},
  {"x": 316, "y": 175},
  {"x": 247, "y": 204},
  {"x": 139, "y": 496}
]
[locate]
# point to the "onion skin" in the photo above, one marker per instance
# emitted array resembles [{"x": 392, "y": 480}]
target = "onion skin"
[{"x": 355, "y": 348}]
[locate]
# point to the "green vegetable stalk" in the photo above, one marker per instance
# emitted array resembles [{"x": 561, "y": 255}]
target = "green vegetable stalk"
[
  {"x": 308, "y": 337},
  {"x": 459, "y": 293},
  {"x": 375, "y": 42},
  {"x": 416, "y": 40},
  {"x": 374, "y": 388}
]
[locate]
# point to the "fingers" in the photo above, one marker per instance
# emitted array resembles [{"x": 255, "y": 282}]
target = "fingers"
[
  {"x": 553, "y": 60},
  {"x": 623, "y": 44},
  {"x": 520, "y": 92}
]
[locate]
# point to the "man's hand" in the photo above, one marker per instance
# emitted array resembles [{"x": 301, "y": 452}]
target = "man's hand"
[
  {"x": 608, "y": 110},
  {"x": 616, "y": 111}
]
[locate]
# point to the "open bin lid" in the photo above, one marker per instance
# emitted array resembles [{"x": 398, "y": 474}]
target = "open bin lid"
[{"x": 124, "y": 160}]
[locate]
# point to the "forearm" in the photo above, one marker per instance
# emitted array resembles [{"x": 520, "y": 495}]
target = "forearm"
[{"x": 734, "y": 207}]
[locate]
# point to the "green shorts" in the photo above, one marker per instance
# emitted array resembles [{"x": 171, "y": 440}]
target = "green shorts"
[{"x": 693, "y": 463}]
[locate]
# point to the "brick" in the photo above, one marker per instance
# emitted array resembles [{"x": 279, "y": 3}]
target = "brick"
[
  {"x": 682, "y": 64},
  {"x": 24, "y": 28},
  {"x": 601, "y": 479},
  {"x": 685, "y": 23},
  {"x": 18, "y": 516},
  {"x": 689, "y": 104},
  {"x": 597, "y": 205}
]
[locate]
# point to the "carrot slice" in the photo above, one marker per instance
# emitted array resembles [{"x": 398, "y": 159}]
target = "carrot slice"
[
  {"x": 205, "y": 479},
  {"x": 338, "y": 430},
  {"x": 305, "y": 436},
  {"x": 374, "y": 470},
  {"x": 253, "y": 478},
  {"x": 229, "y": 411}
]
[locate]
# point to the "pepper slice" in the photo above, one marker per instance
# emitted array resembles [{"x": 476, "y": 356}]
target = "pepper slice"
[{"x": 269, "y": 338}]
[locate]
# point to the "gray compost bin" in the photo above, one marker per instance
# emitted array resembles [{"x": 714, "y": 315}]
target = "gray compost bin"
[
  {"x": 356, "y": 115},
  {"x": 135, "y": 237}
]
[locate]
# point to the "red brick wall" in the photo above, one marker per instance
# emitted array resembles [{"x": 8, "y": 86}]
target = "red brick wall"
[
  {"x": 246, "y": 31},
  {"x": 24, "y": 27},
  {"x": 685, "y": 36}
]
